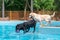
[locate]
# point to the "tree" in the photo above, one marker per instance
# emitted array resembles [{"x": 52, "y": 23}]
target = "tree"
[
  {"x": 44, "y": 4},
  {"x": 38, "y": 4},
  {"x": 0, "y": 5},
  {"x": 57, "y": 4},
  {"x": 14, "y": 4}
]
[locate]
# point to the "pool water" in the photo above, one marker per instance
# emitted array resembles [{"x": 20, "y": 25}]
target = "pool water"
[{"x": 7, "y": 31}]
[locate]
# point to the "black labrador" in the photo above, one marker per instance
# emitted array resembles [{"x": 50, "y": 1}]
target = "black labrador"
[{"x": 26, "y": 26}]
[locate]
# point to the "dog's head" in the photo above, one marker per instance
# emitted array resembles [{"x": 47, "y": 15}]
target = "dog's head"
[
  {"x": 20, "y": 27},
  {"x": 17, "y": 28},
  {"x": 31, "y": 15}
]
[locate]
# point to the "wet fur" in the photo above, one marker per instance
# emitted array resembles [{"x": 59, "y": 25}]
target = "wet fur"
[{"x": 26, "y": 26}]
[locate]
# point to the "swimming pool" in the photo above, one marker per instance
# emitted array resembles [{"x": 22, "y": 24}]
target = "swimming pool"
[{"x": 49, "y": 32}]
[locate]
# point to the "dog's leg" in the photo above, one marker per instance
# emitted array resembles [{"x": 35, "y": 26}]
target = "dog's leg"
[
  {"x": 34, "y": 29},
  {"x": 41, "y": 24},
  {"x": 28, "y": 29},
  {"x": 25, "y": 30},
  {"x": 48, "y": 22}
]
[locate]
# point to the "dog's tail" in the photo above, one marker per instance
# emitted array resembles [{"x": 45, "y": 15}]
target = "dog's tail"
[{"x": 53, "y": 14}]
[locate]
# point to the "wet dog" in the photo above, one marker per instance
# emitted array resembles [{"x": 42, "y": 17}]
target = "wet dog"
[
  {"x": 40, "y": 18},
  {"x": 26, "y": 26}
]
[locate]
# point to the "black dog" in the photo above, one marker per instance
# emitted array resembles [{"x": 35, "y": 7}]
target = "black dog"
[{"x": 26, "y": 26}]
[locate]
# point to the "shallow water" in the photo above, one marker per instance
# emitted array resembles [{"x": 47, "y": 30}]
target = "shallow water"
[{"x": 7, "y": 32}]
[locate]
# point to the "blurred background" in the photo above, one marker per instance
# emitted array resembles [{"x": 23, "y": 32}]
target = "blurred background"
[{"x": 20, "y": 9}]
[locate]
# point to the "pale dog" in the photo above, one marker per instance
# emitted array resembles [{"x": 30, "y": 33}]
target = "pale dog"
[{"x": 40, "y": 18}]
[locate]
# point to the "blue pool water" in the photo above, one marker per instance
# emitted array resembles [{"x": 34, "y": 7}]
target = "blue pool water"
[{"x": 7, "y": 31}]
